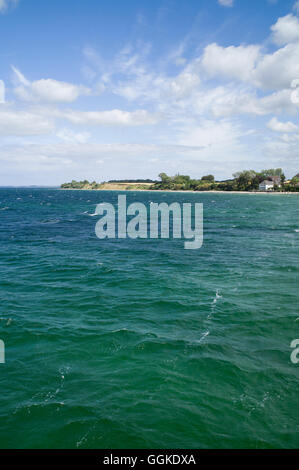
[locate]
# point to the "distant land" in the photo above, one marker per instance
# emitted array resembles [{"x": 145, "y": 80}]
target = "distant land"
[{"x": 272, "y": 180}]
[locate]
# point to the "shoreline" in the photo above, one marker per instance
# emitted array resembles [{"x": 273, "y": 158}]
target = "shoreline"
[{"x": 276, "y": 193}]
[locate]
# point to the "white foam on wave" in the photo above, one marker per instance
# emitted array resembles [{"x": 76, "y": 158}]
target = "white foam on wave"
[
  {"x": 93, "y": 215},
  {"x": 63, "y": 371},
  {"x": 84, "y": 438},
  {"x": 214, "y": 303},
  {"x": 205, "y": 334},
  {"x": 6, "y": 320},
  {"x": 217, "y": 297}
]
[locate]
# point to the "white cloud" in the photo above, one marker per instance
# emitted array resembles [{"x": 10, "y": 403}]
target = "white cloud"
[
  {"x": 115, "y": 117},
  {"x": 23, "y": 123},
  {"x": 204, "y": 106},
  {"x": 283, "y": 152},
  {"x": 47, "y": 90},
  {"x": 277, "y": 70},
  {"x": 278, "y": 126},
  {"x": 226, "y": 3},
  {"x": 20, "y": 77},
  {"x": 2, "y": 92},
  {"x": 52, "y": 90},
  {"x": 67, "y": 135},
  {"x": 296, "y": 7},
  {"x": 176, "y": 55},
  {"x": 59, "y": 162},
  {"x": 278, "y": 102},
  {"x": 134, "y": 89},
  {"x": 5, "y": 4},
  {"x": 159, "y": 88},
  {"x": 230, "y": 62},
  {"x": 188, "y": 93},
  {"x": 189, "y": 89},
  {"x": 229, "y": 100},
  {"x": 285, "y": 30},
  {"x": 178, "y": 87},
  {"x": 273, "y": 71},
  {"x": 210, "y": 133}
]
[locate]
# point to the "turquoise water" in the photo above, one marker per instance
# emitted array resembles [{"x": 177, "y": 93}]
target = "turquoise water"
[{"x": 129, "y": 344}]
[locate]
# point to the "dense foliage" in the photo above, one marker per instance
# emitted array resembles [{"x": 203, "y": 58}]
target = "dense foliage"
[
  {"x": 185, "y": 183},
  {"x": 81, "y": 185},
  {"x": 133, "y": 181},
  {"x": 247, "y": 180}
]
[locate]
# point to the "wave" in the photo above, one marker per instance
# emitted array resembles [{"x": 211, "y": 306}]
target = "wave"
[{"x": 50, "y": 221}]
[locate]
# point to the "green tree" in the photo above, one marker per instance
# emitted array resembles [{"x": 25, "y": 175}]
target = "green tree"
[
  {"x": 164, "y": 178},
  {"x": 209, "y": 178},
  {"x": 246, "y": 180}
]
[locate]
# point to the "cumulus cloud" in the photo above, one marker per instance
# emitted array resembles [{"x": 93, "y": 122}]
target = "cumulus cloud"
[
  {"x": 278, "y": 126},
  {"x": 277, "y": 70},
  {"x": 178, "y": 87},
  {"x": 160, "y": 88},
  {"x": 23, "y": 123},
  {"x": 274, "y": 71},
  {"x": 230, "y": 100},
  {"x": 47, "y": 90},
  {"x": 226, "y": 3},
  {"x": 285, "y": 30},
  {"x": 230, "y": 62},
  {"x": 5, "y": 4},
  {"x": 115, "y": 117},
  {"x": 204, "y": 106},
  {"x": 278, "y": 102}
]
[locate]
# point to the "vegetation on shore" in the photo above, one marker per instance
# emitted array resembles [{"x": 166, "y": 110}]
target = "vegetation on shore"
[
  {"x": 247, "y": 180},
  {"x": 123, "y": 185}
]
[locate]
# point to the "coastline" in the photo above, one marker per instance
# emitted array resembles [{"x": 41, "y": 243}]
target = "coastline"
[{"x": 187, "y": 191}]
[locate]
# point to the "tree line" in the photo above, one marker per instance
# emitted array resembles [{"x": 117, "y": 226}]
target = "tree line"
[
  {"x": 247, "y": 180},
  {"x": 85, "y": 184}
]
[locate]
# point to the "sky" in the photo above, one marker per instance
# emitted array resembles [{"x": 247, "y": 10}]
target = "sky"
[{"x": 116, "y": 89}]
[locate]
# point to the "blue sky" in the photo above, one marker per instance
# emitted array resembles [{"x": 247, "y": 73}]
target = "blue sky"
[{"x": 127, "y": 89}]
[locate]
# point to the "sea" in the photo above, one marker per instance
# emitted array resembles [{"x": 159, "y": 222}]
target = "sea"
[{"x": 123, "y": 343}]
